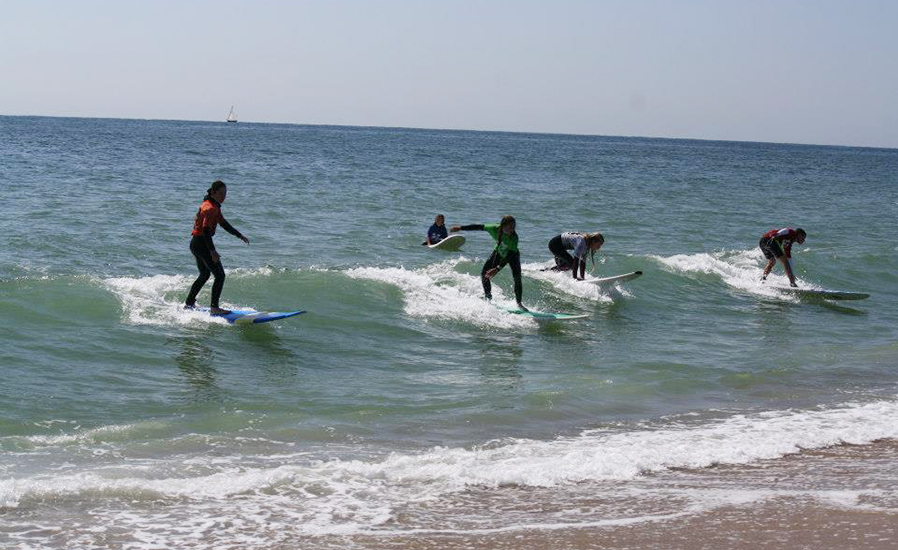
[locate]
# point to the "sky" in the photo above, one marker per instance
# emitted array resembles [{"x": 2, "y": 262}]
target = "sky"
[{"x": 786, "y": 71}]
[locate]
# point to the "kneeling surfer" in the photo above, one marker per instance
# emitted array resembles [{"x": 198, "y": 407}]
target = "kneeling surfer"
[
  {"x": 580, "y": 243},
  {"x": 505, "y": 253},
  {"x": 207, "y": 259}
]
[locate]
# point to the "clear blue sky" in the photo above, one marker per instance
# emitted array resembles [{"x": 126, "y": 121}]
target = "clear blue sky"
[{"x": 801, "y": 71}]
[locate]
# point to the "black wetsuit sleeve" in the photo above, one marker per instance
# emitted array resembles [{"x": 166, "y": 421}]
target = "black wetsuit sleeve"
[
  {"x": 229, "y": 228},
  {"x": 473, "y": 227},
  {"x": 207, "y": 238}
]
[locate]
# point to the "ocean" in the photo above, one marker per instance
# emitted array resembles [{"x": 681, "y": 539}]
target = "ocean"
[{"x": 694, "y": 407}]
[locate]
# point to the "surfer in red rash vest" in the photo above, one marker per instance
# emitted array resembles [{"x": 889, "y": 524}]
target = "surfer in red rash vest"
[
  {"x": 207, "y": 259},
  {"x": 777, "y": 243}
]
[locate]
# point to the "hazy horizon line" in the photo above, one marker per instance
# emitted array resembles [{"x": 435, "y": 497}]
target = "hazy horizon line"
[{"x": 423, "y": 128}]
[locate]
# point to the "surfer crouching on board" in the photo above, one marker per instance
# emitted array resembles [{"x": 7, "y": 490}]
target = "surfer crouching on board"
[
  {"x": 207, "y": 259},
  {"x": 580, "y": 243},
  {"x": 437, "y": 231},
  {"x": 506, "y": 252},
  {"x": 777, "y": 243}
]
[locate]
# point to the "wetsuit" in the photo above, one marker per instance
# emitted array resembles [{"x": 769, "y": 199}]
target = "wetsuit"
[
  {"x": 201, "y": 245},
  {"x": 506, "y": 252},
  {"x": 778, "y": 242},
  {"x": 560, "y": 244},
  {"x": 437, "y": 233}
]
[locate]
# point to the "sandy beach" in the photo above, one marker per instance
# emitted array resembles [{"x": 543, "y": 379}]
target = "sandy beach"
[{"x": 845, "y": 497}]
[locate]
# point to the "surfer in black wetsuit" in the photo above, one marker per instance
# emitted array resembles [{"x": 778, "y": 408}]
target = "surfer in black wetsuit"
[{"x": 207, "y": 259}]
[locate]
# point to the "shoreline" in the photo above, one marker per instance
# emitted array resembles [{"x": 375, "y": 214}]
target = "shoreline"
[{"x": 830, "y": 498}]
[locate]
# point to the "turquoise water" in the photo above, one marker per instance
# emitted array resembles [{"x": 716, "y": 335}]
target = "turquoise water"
[{"x": 401, "y": 384}]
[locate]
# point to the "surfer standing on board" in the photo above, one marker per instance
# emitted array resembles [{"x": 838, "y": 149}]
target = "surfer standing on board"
[
  {"x": 437, "y": 231},
  {"x": 580, "y": 243},
  {"x": 777, "y": 243},
  {"x": 506, "y": 252},
  {"x": 201, "y": 245}
]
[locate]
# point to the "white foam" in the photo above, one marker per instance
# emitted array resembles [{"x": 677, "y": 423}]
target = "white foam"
[
  {"x": 93, "y": 435},
  {"x": 599, "y": 455},
  {"x": 158, "y": 300},
  {"x": 353, "y": 496},
  {"x": 438, "y": 291},
  {"x": 251, "y": 272},
  {"x": 564, "y": 282},
  {"x": 740, "y": 269}
]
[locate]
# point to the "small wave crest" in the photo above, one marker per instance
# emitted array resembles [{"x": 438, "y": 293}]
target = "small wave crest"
[
  {"x": 740, "y": 269},
  {"x": 564, "y": 282},
  {"x": 151, "y": 301},
  {"x": 88, "y": 437},
  {"x": 320, "y": 497},
  {"x": 159, "y": 299},
  {"x": 438, "y": 291}
]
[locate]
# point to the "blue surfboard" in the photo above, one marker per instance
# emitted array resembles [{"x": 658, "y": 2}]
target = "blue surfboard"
[{"x": 249, "y": 317}]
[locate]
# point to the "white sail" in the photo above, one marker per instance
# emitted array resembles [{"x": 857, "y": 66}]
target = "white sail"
[{"x": 232, "y": 116}]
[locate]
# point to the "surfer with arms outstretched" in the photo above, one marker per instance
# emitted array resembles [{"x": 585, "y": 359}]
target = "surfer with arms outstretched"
[
  {"x": 207, "y": 259},
  {"x": 777, "y": 243},
  {"x": 505, "y": 253},
  {"x": 581, "y": 244}
]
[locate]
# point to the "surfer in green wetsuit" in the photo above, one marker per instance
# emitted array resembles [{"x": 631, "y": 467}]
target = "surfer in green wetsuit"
[{"x": 505, "y": 253}]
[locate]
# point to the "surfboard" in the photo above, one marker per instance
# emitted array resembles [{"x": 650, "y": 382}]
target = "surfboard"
[
  {"x": 249, "y": 316},
  {"x": 616, "y": 279},
  {"x": 451, "y": 243},
  {"x": 544, "y": 316},
  {"x": 812, "y": 293}
]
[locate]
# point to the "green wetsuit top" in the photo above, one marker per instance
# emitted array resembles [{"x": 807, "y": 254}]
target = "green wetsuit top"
[{"x": 504, "y": 243}]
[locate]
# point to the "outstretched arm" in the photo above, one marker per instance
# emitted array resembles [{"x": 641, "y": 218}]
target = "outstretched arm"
[
  {"x": 473, "y": 227},
  {"x": 230, "y": 229}
]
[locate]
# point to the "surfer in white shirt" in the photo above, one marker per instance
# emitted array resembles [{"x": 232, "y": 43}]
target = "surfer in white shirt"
[{"x": 581, "y": 244}]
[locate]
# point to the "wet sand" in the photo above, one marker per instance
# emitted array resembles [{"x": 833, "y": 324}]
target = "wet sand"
[
  {"x": 767, "y": 527},
  {"x": 844, "y": 497}
]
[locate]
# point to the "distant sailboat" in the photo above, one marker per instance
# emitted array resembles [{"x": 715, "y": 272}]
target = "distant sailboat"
[{"x": 232, "y": 116}]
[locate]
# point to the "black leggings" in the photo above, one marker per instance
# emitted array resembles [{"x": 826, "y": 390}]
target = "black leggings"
[
  {"x": 207, "y": 267},
  {"x": 563, "y": 260},
  {"x": 514, "y": 260}
]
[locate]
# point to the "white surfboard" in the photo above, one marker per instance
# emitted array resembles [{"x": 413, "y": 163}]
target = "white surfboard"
[
  {"x": 451, "y": 243},
  {"x": 249, "y": 316},
  {"x": 811, "y": 293},
  {"x": 544, "y": 316},
  {"x": 605, "y": 281}
]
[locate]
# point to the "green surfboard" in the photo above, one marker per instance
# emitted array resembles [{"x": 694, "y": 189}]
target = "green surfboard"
[{"x": 544, "y": 316}]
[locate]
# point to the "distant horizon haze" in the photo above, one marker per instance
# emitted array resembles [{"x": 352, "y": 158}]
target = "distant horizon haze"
[
  {"x": 426, "y": 129},
  {"x": 788, "y": 71}
]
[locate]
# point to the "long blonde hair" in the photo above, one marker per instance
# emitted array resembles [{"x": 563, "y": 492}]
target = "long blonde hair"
[{"x": 591, "y": 238}]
